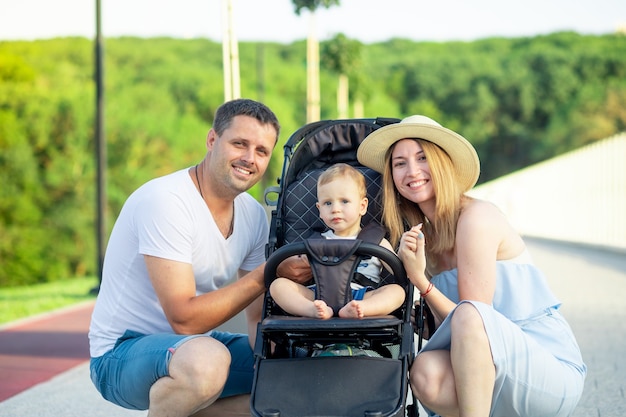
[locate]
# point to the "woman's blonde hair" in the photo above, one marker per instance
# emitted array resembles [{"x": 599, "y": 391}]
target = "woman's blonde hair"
[{"x": 400, "y": 214}]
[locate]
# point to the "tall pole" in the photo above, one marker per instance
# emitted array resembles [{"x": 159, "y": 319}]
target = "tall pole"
[
  {"x": 313, "y": 67},
  {"x": 234, "y": 55},
  {"x": 230, "y": 53},
  {"x": 100, "y": 148},
  {"x": 228, "y": 84}
]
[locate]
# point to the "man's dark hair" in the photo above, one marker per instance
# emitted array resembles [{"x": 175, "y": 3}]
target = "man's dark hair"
[{"x": 243, "y": 107}]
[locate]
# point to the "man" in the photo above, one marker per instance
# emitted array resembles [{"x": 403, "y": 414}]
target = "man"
[{"x": 168, "y": 278}]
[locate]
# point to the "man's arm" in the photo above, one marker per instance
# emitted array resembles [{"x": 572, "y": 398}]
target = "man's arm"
[
  {"x": 189, "y": 313},
  {"x": 254, "y": 313}
]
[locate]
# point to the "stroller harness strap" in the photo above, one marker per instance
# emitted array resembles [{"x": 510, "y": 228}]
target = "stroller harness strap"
[{"x": 334, "y": 263}]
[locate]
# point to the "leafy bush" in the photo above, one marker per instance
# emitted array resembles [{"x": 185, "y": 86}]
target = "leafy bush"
[{"x": 518, "y": 100}]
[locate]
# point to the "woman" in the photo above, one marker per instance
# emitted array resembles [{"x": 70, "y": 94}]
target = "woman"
[{"x": 501, "y": 347}]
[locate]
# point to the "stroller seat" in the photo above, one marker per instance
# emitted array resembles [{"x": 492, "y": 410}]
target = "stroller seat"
[{"x": 334, "y": 367}]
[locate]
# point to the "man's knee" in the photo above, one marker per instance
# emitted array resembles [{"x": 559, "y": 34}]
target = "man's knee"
[{"x": 203, "y": 361}]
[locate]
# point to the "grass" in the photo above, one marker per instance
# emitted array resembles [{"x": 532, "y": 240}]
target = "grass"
[{"x": 29, "y": 300}]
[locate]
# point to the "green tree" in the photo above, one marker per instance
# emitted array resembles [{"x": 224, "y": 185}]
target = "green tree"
[
  {"x": 519, "y": 101},
  {"x": 342, "y": 56},
  {"x": 313, "y": 93}
]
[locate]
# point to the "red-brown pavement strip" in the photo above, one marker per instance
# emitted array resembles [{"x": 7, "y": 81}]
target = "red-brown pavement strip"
[{"x": 34, "y": 350}]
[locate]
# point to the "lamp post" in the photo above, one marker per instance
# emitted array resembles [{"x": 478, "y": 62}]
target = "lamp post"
[
  {"x": 230, "y": 53},
  {"x": 100, "y": 149}
]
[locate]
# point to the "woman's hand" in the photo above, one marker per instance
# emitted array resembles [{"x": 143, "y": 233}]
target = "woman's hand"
[{"x": 413, "y": 256}]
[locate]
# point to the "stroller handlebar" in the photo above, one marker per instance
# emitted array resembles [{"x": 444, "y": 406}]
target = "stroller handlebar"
[{"x": 362, "y": 249}]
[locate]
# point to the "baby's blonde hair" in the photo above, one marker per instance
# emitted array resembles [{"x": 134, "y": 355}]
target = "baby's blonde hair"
[{"x": 342, "y": 170}]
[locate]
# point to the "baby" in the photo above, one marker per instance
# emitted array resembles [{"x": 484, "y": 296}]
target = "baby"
[{"x": 342, "y": 202}]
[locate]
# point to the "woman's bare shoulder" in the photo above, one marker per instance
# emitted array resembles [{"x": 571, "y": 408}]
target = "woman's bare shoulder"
[
  {"x": 475, "y": 209},
  {"x": 484, "y": 217}
]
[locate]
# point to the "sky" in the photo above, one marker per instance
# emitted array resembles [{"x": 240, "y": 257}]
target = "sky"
[{"x": 275, "y": 20}]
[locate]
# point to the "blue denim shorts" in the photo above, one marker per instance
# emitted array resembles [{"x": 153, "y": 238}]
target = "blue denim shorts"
[{"x": 125, "y": 374}]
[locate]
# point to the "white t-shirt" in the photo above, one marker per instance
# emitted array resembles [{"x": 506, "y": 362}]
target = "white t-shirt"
[{"x": 167, "y": 218}]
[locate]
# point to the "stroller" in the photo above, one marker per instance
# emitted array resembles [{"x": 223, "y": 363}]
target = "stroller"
[{"x": 335, "y": 367}]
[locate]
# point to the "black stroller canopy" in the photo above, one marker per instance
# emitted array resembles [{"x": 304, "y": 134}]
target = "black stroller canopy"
[{"x": 327, "y": 143}]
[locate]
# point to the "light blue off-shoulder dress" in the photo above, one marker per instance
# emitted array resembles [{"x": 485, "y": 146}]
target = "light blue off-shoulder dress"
[{"x": 539, "y": 368}]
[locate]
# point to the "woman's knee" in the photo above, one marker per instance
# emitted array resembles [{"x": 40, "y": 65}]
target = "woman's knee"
[
  {"x": 466, "y": 319},
  {"x": 418, "y": 378},
  {"x": 427, "y": 375}
]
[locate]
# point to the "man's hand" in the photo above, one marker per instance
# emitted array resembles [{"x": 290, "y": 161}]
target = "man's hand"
[{"x": 296, "y": 268}]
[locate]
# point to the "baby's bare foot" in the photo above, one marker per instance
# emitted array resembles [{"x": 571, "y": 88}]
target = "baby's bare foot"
[
  {"x": 352, "y": 310},
  {"x": 322, "y": 310}
]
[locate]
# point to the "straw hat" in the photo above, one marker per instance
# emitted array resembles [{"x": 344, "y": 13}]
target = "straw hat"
[{"x": 371, "y": 152}]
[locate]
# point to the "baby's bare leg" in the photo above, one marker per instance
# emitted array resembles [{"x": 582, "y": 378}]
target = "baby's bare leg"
[
  {"x": 381, "y": 301},
  {"x": 352, "y": 310},
  {"x": 298, "y": 300}
]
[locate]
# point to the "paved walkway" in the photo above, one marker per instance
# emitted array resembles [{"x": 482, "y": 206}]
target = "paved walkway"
[
  {"x": 44, "y": 371},
  {"x": 36, "y": 349}
]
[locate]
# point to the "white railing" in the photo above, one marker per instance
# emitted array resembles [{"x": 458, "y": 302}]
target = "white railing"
[{"x": 577, "y": 197}]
